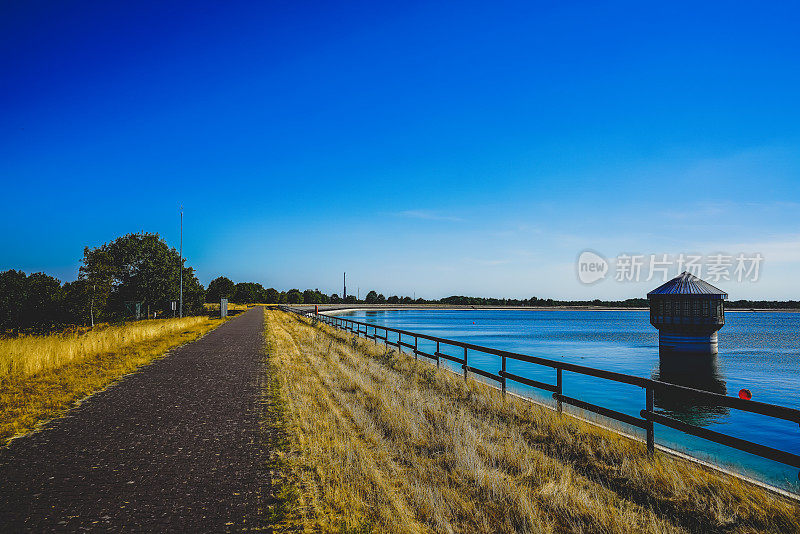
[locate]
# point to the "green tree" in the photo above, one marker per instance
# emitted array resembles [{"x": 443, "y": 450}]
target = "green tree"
[
  {"x": 41, "y": 306},
  {"x": 12, "y": 296},
  {"x": 273, "y": 297},
  {"x": 312, "y": 297},
  {"x": 371, "y": 298},
  {"x": 248, "y": 293},
  {"x": 219, "y": 288},
  {"x": 293, "y": 296},
  {"x": 98, "y": 273},
  {"x": 194, "y": 295},
  {"x": 139, "y": 268},
  {"x": 76, "y": 303}
]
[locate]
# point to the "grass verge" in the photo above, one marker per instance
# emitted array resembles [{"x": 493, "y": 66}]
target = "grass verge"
[
  {"x": 214, "y": 306},
  {"x": 42, "y": 376},
  {"x": 380, "y": 442}
]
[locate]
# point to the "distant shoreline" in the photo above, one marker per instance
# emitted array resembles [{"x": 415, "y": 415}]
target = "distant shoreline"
[{"x": 333, "y": 309}]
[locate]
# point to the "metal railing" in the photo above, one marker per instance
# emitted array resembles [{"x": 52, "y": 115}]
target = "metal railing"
[{"x": 647, "y": 418}]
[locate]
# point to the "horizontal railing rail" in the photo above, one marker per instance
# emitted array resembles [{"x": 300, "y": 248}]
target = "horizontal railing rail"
[{"x": 647, "y": 418}]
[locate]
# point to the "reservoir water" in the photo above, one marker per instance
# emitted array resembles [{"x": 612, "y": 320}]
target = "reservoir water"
[{"x": 758, "y": 351}]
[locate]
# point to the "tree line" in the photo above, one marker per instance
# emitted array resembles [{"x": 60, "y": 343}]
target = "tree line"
[
  {"x": 140, "y": 274},
  {"x": 251, "y": 292},
  {"x": 134, "y": 274}
]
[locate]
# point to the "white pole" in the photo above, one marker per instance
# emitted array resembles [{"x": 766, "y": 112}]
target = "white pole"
[{"x": 180, "y": 312}]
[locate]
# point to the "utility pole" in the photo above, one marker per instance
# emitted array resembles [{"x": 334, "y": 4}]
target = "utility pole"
[
  {"x": 91, "y": 306},
  {"x": 180, "y": 307}
]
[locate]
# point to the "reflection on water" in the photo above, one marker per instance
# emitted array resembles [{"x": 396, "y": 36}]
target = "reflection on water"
[{"x": 697, "y": 371}]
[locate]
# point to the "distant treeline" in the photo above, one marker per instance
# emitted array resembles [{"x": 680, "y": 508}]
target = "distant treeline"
[
  {"x": 249, "y": 292},
  {"x": 255, "y": 293},
  {"x": 142, "y": 271},
  {"x": 628, "y": 303},
  {"x": 763, "y": 304},
  {"x": 537, "y": 302}
]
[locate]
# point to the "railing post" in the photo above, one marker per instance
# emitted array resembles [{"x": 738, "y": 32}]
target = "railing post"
[
  {"x": 399, "y": 339},
  {"x": 560, "y": 387},
  {"x": 502, "y": 375},
  {"x": 438, "y": 359},
  {"x": 651, "y": 445},
  {"x": 465, "y": 364},
  {"x": 416, "y": 339}
]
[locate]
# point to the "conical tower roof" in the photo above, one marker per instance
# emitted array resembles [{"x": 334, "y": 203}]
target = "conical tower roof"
[{"x": 688, "y": 284}]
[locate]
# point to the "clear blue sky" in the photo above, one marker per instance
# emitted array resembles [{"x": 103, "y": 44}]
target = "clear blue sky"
[{"x": 437, "y": 148}]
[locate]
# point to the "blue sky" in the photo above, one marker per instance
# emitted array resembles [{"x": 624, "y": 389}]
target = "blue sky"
[{"x": 436, "y": 148}]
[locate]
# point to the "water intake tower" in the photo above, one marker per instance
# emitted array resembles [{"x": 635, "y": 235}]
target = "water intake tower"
[{"x": 688, "y": 312}]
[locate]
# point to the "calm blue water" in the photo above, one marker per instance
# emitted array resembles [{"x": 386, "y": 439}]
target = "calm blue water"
[{"x": 757, "y": 351}]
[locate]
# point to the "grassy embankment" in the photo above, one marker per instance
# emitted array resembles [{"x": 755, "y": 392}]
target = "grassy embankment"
[
  {"x": 41, "y": 376},
  {"x": 375, "y": 441}
]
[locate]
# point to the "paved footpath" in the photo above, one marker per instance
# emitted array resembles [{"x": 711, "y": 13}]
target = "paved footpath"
[{"x": 177, "y": 446}]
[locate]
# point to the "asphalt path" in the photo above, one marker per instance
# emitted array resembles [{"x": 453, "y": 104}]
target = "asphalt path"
[{"x": 177, "y": 446}]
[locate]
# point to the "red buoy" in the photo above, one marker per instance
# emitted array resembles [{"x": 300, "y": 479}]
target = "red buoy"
[{"x": 745, "y": 394}]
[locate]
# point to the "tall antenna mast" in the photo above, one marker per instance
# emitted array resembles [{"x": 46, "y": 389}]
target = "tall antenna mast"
[
  {"x": 180, "y": 308},
  {"x": 344, "y": 286}
]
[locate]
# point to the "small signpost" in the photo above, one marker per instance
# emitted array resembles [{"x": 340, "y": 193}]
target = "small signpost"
[
  {"x": 135, "y": 308},
  {"x": 174, "y": 305},
  {"x": 223, "y": 308}
]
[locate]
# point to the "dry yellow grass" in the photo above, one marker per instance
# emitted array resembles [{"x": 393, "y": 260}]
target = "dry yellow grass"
[
  {"x": 41, "y": 376},
  {"x": 26, "y": 355},
  {"x": 380, "y": 442},
  {"x": 212, "y": 306}
]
